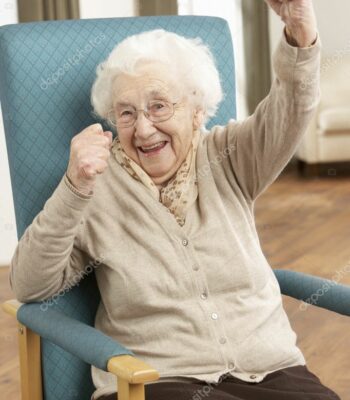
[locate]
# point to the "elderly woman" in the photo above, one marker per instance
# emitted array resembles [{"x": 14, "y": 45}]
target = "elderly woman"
[{"x": 167, "y": 210}]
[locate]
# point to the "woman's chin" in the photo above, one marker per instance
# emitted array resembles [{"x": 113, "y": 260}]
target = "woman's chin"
[
  {"x": 159, "y": 168},
  {"x": 159, "y": 175}
]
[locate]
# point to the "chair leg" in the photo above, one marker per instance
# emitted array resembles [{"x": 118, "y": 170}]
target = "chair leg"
[
  {"x": 130, "y": 391},
  {"x": 30, "y": 363}
]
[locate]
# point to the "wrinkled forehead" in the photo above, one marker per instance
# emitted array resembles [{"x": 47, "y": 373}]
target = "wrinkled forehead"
[{"x": 151, "y": 80}]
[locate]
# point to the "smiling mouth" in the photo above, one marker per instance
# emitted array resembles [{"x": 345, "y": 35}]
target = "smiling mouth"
[{"x": 153, "y": 149}]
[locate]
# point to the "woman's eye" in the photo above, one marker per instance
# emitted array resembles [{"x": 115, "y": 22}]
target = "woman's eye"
[
  {"x": 156, "y": 106},
  {"x": 125, "y": 113}
]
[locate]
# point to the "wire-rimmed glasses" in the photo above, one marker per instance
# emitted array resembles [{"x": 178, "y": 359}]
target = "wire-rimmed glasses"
[{"x": 124, "y": 116}]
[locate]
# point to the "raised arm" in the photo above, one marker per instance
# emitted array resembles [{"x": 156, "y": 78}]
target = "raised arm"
[{"x": 261, "y": 146}]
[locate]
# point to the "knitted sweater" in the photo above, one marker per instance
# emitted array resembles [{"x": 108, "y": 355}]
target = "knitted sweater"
[{"x": 197, "y": 301}]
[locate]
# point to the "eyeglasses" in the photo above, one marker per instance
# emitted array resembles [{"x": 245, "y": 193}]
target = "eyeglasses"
[{"x": 156, "y": 111}]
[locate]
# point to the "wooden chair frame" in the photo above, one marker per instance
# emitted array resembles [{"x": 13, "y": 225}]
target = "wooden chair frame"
[{"x": 131, "y": 373}]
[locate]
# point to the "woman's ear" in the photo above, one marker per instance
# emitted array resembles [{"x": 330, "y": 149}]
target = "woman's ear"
[{"x": 198, "y": 117}]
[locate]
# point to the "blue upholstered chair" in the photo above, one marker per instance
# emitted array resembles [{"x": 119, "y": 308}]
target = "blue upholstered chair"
[{"x": 46, "y": 72}]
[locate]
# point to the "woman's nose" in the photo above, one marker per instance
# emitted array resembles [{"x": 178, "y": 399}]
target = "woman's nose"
[{"x": 143, "y": 125}]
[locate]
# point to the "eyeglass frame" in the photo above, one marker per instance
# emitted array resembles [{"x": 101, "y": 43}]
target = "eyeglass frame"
[{"x": 145, "y": 113}]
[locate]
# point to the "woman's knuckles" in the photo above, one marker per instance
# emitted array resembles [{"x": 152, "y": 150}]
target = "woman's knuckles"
[
  {"x": 89, "y": 167},
  {"x": 84, "y": 143},
  {"x": 93, "y": 129},
  {"x": 89, "y": 154}
]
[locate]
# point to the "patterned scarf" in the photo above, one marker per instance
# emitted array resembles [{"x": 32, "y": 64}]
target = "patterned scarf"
[{"x": 181, "y": 190}]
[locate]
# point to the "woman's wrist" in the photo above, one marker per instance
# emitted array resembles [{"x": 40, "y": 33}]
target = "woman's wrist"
[
  {"x": 307, "y": 40},
  {"x": 86, "y": 191}
]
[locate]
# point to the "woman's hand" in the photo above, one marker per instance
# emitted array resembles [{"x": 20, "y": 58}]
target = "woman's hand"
[
  {"x": 89, "y": 152},
  {"x": 299, "y": 17}
]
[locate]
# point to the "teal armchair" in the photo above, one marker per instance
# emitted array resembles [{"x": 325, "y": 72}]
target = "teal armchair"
[{"x": 46, "y": 73}]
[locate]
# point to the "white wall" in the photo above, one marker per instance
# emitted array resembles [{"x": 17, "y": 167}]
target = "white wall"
[
  {"x": 231, "y": 11},
  {"x": 8, "y": 231},
  {"x": 333, "y": 26},
  {"x": 107, "y": 8},
  {"x": 8, "y": 12}
]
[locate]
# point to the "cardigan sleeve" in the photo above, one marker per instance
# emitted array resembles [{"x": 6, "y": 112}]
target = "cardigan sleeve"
[
  {"x": 47, "y": 258},
  {"x": 258, "y": 148}
]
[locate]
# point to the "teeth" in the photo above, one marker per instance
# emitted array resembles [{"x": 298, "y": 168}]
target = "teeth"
[{"x": 152, "y": 147}]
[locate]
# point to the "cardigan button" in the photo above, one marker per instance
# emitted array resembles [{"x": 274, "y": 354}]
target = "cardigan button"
[
  {"x": 185, "y": 242},
  {"x": 204, "y": 296},
  {"x": 214, "y": 315},
  {"x": 252, "y": 376}
]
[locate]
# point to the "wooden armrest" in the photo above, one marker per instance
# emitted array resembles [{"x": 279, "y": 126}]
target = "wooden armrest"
[
  {"x": 132, "y": 369},
  {"x": 11, "y": 307},
  {"x": 132, "y": 373}
]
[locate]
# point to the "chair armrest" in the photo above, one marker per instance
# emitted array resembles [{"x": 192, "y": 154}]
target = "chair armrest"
[
  {"x": 316, "y": 291},
  {"x": 132, "y": 369},
  {"x": 11, "y": 307},
  {"x": 83, "y": 341}
]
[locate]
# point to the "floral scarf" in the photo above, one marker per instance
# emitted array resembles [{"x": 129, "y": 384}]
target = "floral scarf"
[{"x": 181, "y": 190}]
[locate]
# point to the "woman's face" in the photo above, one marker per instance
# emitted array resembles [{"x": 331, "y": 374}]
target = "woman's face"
[{"x": 154, "y": 82}]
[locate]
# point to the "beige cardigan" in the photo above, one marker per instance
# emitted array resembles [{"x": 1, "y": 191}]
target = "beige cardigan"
[{"x": 195, "y": 301}]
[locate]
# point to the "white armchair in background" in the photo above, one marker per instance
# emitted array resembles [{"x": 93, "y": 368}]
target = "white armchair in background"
[{"x": 327, "y": 140}]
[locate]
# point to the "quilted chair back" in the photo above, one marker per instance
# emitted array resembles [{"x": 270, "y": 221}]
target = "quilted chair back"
[{"x": 46, "y": 73}]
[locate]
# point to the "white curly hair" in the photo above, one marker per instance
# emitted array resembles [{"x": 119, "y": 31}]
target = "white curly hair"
[{"x": 190, "y": 61}]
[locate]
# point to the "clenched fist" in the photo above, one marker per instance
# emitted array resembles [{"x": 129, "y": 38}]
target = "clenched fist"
[
  {"x": 299, "y": 17},
  {"x": 89, "y": 152}
]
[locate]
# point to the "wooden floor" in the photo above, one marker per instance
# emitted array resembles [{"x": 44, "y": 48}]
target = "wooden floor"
[{"x": 304, "y": 225}]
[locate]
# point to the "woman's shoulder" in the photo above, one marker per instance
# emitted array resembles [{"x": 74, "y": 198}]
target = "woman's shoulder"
[{"x": 219, "y": 137}]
